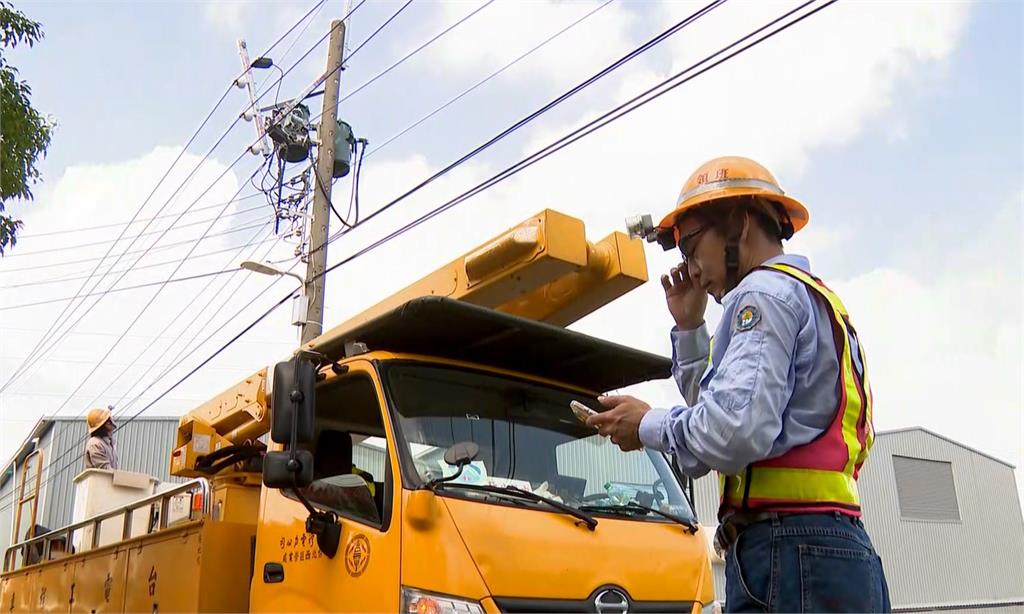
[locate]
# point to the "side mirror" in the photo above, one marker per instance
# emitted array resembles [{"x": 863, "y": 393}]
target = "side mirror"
[
  {"x": 293, "y": 402},
  {"x": 280, "y": 470}
]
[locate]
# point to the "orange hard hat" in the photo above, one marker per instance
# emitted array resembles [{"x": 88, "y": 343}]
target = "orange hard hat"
[
  {"x": 97, "y": 418},
  {"x": 727, "y": 177}
]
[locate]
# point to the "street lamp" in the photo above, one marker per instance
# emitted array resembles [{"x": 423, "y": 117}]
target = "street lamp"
[
  {"x": 300, "y": 305},
  {"x": 266, "y": 268}
]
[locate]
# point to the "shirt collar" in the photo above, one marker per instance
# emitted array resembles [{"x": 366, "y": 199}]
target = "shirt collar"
[{"x": 793, "y": 260}]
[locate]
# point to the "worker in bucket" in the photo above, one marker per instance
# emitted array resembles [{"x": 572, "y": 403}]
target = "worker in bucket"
[
  {"x": 100, "y": 451},
  {"x": 779, "y": 404}
]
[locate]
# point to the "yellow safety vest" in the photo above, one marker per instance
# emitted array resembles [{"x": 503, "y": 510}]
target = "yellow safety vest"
[{"x": 822, "y": 474}]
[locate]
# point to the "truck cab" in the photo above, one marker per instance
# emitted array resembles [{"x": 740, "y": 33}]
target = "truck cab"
[{"x": 543, "y": 515}]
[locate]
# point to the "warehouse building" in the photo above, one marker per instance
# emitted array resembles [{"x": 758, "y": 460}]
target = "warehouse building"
[
  {"x": 945, "y": 519},
  {"x": 56, "y": 444}
]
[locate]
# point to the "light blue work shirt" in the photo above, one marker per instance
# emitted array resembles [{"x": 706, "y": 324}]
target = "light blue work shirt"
[{"x": 770, "y": 385}]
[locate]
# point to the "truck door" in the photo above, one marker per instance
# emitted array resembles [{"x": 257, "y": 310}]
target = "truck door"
[{"x": 355, "y": 476}]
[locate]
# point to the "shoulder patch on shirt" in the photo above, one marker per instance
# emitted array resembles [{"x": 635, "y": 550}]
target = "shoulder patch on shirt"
[{"x": 747, "y": 318}]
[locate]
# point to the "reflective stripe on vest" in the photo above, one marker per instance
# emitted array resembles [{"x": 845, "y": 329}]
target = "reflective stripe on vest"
[{"x": 822, "y": 474}]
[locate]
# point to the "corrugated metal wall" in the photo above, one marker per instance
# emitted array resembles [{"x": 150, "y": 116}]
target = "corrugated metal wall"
[
  {"x": 979, "y": 559},
  {"x": 705, "y": 494},
  {"x": 144, "y": 445},
  {"x": 598, "y": 460},
  {"x": 370, "y": 459}
]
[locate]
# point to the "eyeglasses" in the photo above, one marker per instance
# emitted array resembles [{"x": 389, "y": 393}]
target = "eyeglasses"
[{"x": 688, "y": 253}]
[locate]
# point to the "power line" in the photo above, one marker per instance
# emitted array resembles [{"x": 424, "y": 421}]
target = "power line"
[
  {"x": 146, "y": 219},
  {"x": 494, "y": 74},
  {"x": 61, "y": 320},
  {"x": 517, "y": 168},
  {"x": 84, "y": 394},
  {"x": 123, "y": 335},
  {"x": 34, "y": 355},
  {"x": 318, "y": 8},
  {"x": 76, "y": 449},
  {"x": 500, "y": 176},
  {"x": 130, "y": 269},
  {"x": 103, "y": 334},
  {"x": 305, "y": 55},
  {"x": 378, "y": 30},
  {"x": 160, "y": 289},
  {"x": 123, "y": 289},
  {"x": 149, "y": 249},
  {"x": 232, "y": 260},
  {"x": 678, "y": 26},
  {"x": 618, "y": 112},
  {"x": 163, "y": 177},
  {"x": 152, "y": 232},
  {"x": 83, "y": 361},
  {"x": 182, "y": 355},
  {"x": 417, "y": 50}
]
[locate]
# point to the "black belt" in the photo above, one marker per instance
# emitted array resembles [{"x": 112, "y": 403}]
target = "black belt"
[{"x": 730, "y": 527}]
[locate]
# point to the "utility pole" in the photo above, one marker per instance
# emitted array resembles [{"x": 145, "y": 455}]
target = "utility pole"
[{"x": 314, "y": 289}]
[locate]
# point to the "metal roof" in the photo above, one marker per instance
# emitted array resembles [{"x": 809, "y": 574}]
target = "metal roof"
[{"x": 944, "y": 438}]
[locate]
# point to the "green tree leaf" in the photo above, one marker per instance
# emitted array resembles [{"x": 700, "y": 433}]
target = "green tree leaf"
[{"x": 24, "y": 132}]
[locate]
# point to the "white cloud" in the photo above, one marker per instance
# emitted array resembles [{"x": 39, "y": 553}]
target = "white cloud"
[
  {"x": 946, "y": 353},
  {"x": 227, "y": 14}
]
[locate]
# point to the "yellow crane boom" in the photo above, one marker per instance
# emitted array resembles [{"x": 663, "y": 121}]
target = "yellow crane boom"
[{"x": 543, "y": 269}]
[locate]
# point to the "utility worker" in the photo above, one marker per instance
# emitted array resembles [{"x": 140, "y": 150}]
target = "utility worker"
[
  {"x": 779, "y": 405},
  {"x": 100, "y": 452}
]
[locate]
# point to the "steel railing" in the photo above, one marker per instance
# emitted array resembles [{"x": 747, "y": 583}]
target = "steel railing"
[{"x": 39, "y": 549}]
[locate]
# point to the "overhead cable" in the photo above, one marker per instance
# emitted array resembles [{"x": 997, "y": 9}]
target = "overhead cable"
[
  {"x": 494, "y": 74},
  {"x": 417, "y": 50},
  {"x": 61, "y": 319},
  {"x": 678, "y": 26},
  {"x": 151, "y": 232},
  {"x": 116, "y": 224}
]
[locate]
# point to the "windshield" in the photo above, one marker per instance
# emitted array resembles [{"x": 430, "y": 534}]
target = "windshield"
[{"x": 528, "y": 437}]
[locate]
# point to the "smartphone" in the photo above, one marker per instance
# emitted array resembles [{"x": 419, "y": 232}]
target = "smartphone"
[{"x": 582, "y": 411}]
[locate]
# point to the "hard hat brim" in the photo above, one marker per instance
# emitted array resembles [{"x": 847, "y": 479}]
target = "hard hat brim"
[{"x": 797, "y": 212}]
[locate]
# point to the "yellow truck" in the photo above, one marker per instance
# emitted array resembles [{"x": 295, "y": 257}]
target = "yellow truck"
[{"x": 422, "y": 458}]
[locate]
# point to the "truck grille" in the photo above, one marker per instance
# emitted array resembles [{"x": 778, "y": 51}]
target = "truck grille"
[{"x": 517, "y": 605}]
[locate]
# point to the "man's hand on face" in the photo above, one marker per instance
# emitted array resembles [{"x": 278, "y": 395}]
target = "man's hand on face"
[{"x": 621, "y": 420}]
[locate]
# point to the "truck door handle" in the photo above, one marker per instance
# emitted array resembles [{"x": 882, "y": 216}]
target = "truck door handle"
[{"x": 273, "y": 573}]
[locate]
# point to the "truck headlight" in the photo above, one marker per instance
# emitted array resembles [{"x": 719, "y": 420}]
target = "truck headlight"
[{"x": 419, "y": 602}]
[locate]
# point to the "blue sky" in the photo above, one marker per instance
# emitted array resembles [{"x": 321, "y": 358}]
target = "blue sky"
[{"x": 898, "y": 124}]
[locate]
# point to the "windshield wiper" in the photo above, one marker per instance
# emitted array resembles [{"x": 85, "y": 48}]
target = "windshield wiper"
[
  {"x": 633, "y": 508},
  {"x": 513, "y": 491}
]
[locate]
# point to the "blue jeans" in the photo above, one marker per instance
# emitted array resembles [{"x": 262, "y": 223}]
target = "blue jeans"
[{"x": 805, "y": 563}]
